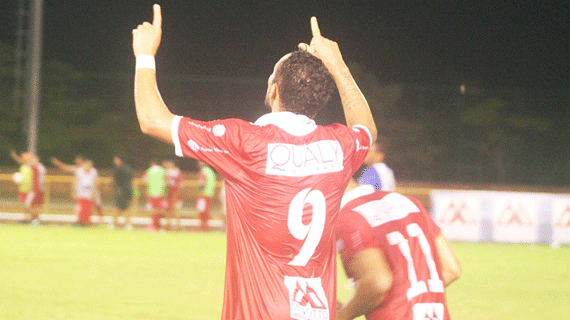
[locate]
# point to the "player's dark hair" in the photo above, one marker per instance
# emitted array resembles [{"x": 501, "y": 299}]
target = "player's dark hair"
[{"x": 305, "y": 84}]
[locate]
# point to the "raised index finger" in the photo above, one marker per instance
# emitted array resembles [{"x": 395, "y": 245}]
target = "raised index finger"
[
  {"x": 157, "y": 16},
  {"x": 315, "y": 27}
]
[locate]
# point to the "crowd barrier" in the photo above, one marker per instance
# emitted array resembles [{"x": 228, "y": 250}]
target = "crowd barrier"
[{"x": 507, "y": 217}]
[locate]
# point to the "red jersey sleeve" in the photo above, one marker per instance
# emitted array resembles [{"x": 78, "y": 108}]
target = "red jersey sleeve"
[
  {"x": 217, "y": 143},
  {"x": 354, "y": 234}
]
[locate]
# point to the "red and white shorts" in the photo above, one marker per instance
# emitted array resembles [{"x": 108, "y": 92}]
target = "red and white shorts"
[
  {"x": 203, "y": 204},
  {"x": 173, "y": 199},
  {"x": 32, "y": 198},
  {"x": 156, "y": 203}
]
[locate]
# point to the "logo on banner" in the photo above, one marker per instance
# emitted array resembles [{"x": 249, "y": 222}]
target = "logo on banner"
[
  {"x": 515, "y": 215},
  {"x": 307, "y": 298},
  {"x": 564, "y": 220},
  {"x": 457, "y": 213}
]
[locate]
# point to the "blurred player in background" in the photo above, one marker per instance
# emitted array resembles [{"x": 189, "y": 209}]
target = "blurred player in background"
[
  {"x": 155, "y": 178},
  {"x": 222, "y": 198},
  {"x": 396, "y": 256},
  {"x": 85, "y": 187},
  {"x": 376, "y": 172},
  {"x": 206, "y": 193},
  {"x": 78, "y": 163},
  {"x": 284, "y": 175},
  {"x": 123, "y": 185},
  {"x": 174, "y": 178},
  {"x": 31, "y": 179}
]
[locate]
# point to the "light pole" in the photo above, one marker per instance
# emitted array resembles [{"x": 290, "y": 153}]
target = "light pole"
[{"x": 33, "y": 83}]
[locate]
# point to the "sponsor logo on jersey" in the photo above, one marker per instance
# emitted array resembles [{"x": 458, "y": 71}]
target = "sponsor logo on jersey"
[
  {"x": 304, "y": 160},
  {"x": 391, "y": 207},
  {"x": 428, "y": 311},
  {"x": 199, "y": 126},
  {"x": 196, "y": 148},
  {"x": 219, "y": 130},
  {"x": 358, "y": 146},
  {"x": 307, "y": 298}
]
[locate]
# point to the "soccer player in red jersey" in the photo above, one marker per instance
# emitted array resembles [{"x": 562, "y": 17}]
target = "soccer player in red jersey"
[
  {"x": 174, "y": 178},
  {"x": 85, "y": 187},
  {"x": 284, "y": 176},
  {"x": 395, "y": 254}
]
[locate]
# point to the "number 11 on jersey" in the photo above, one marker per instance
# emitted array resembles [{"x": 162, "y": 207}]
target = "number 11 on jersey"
[{"x": 434, "y": 283}]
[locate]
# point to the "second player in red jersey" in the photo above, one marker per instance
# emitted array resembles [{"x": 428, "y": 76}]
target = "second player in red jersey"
[{"x": 396, "y": 255}]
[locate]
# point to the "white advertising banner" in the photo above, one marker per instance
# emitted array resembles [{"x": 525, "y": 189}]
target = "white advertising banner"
[
  {"x": 515, "y": 217},
  {"x": 458, "y": 216},
  {"x": 561, "y": 220}
]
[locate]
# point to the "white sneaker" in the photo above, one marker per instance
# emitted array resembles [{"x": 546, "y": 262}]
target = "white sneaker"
[
  {"x": 129, "y": 227},
  {"x": 111, "y": 225},
  {"x": 35, "y": 222}
]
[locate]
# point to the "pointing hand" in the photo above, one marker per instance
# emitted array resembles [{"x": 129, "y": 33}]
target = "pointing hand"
[
  {"x": 146, "y": 37},
  {"x": 323, "y": 48}
]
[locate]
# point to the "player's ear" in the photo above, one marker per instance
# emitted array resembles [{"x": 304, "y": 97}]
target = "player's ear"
[{"x": 273, "y": 95}]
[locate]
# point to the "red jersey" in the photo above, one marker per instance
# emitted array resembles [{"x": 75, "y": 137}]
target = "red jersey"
[
  {"x": 404, "y": 231},
  {"x": 39, "y": 177},
  {"x": 285, "y": 177}
]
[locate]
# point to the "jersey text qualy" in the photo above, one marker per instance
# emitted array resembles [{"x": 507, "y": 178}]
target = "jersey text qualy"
[{"x": 304, "y": 160}]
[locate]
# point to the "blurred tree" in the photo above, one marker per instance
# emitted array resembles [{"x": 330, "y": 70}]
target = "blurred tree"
[
  {"x": 11, "y": 118},
  {"x": 73, "y": 120},
  {"x": 411, "y": 129},
  {"x": 498, "y": 137}
]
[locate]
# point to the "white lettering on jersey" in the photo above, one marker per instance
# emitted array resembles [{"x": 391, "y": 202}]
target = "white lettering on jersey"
[
  {"x": 392, "y": 207},
  {"x": 307, "y": 298},
  {"x": 195, "y": 147},
  {"x": 199, "y": 126},
  {"x": 304, "y": 160}
]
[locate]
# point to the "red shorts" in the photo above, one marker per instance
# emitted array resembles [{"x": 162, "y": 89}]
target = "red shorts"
[
  {"x": 83, "y": 208},
  {"x": 203, "y": 204},
  {"x": 156, "y": 203},
  {"x": 173, "y": 199},
  {"x": 32, "y": 198}
]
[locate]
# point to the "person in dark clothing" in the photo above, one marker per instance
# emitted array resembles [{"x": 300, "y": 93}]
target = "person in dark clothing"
[{"x": 123, "y": 184}]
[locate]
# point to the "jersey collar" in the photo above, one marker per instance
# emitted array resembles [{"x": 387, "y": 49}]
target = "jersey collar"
[
  {"x": 292, "y": 123},
  {"x": 361, "y": 190}
]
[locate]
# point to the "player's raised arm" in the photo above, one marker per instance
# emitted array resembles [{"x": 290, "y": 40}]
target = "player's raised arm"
[
  {"x": 356, "y": 110},
  {"x": 62, "y": 166},
  {"x": 14, "y": 155},
  {"x": 153, "y": 115}
]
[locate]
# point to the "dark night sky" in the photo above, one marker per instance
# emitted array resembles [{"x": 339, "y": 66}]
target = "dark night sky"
[{"x": 520, "y": 43}]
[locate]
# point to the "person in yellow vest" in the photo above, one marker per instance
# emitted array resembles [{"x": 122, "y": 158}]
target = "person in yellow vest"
[
  {"x": 155, "y": 178},
  {"x": 30, "y": 179}
]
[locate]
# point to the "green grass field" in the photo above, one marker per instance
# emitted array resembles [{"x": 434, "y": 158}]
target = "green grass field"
[{"x": 62, "y": 272}]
